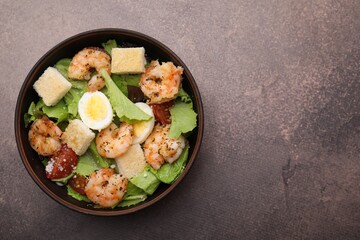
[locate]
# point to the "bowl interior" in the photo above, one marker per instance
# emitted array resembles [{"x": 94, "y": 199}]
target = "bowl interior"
[{"x": 66, "y": 49}]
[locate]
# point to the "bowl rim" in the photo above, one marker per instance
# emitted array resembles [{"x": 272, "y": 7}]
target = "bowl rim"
[{"x": 114, "y": 212}]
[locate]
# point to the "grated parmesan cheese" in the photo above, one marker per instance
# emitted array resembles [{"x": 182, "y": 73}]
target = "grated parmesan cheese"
[{"x": 50, "y": 165}]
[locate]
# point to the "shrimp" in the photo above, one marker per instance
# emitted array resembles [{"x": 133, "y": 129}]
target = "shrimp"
[
  {"x": 161, "y": 83},
  {"x": 86, "y": 59},
  {"x": 95, "y": 83},
  {"x": 159, "y": 147},
  {"x": 45, "y": 136},
  {"x": 105, "y": 187},
  {"x": 114, "y": 141}
]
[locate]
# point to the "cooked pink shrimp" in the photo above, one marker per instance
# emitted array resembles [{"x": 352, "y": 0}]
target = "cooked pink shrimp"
[
  {"x": 85, "y": 60},
  {"x": 105, "y": 187},
  {"x": 159, "y": 147},
  {"x": 113, "y": 141},
  {"x": 161, "y": 83},
  {"x": 96, "y": 83},
  {"x": 44, "y": 136}
]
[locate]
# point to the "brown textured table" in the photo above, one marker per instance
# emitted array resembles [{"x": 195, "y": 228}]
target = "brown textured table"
[{"x": 280, "y": 82}]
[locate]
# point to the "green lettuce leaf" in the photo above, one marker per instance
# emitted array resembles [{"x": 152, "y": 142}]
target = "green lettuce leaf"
[
  {"x": 34, "y": 112},
  {"x": 168, "y": 173},
  {"x": 134, "y": 195},
  {"x": 109, "y": 45},
  {"x": 90, "y": 161},
  {"x": 146, "y": 180},
  {"x": 132, "y": 201},
  {"x": 29, "y": 116},
  {"x": 100, "y": 161},
  {"x": 124, "y": 80},
  {"x": 59, "y": 111},
  {"x": 71, "y": 99},
  {"x": 120, "y": 82},
  {"x": 183, "y": 118},
  {"x": 184, "y": 96},
  {"x": 71, "y": 192},
  {"x": 132, "y": 79},
  {"x": 65, "y": 179},
  {"x": 125, "y": 109},
  {"x": 78, "y": 88},
  {"x": 78, "y": 84},
  {"x": 86, "y": 164},
  {"x": 62, "y": 66}
]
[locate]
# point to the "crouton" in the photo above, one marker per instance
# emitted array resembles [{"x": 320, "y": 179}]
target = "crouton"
[
  {"x": 128, "y": 60},
  {"x": 78, "y": 136},
  {"x": 52, "y": 86}
]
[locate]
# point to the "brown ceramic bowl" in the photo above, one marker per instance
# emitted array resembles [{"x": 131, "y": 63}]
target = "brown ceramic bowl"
[{"x": 67, "y": 49}]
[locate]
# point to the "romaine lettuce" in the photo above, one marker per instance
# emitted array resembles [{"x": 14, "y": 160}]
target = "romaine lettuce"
[
  {"x": 86, "y": 164},
  {"x": 168, "y": 173},
  {"x": 183, "y": 118},
  {"x": 125, "y": 109},
  {"x": 90, "y": 161},
  {"x": 71, "y": 192},
  {"x": 146, "y": 180},
  {"x": 62, "y": 66},
  {"x": 59, "y": 111},
  {"x": 134, "y": 195},
  {"x": 100, "y": 161},
  {"x": 72, "y": 99},
  {"x": 124, "y": 80},
  {"x": 120, "y": 82},
  {"x": 184, "y": 96},
  {"x": 109, "y": 45},
  {"x": 78, "y": 88},
  {"x": 33, "y": 113},
  {"x": 64, "y": 179}
]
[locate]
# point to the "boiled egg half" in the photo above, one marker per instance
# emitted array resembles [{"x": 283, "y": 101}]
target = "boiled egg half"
[
  {"x": 95, "y": 110},
  {"x": 142, "y": 129}
]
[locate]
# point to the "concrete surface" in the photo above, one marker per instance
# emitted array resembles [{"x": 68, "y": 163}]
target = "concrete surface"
[{"x": 280, "y": 86}]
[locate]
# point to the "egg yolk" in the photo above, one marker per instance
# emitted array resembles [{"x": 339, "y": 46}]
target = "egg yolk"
[
  {"x": 139, "y": 127},
  {"x": 95, "y": 108}
]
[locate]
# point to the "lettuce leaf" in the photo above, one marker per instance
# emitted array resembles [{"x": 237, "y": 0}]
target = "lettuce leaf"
[
  {"x": 100, "y": 161},
  {"x": 62, "y": 66},
  {"x": 34, "y": 112},
  {"x": 120, "y": 82},
  {"x": 124, "y": 80},
  {"x": 86, "y": 164},
  {"x": 134, "y": 195},
  {"x": 183, "y": 118},
  {"x": 90, "y": 161},
  {"x": 109, "y": 45},
  {"x": 78, "y": 88},
  {"x": 71, "y": 192},
  {"x": 72, "y": 99},
  {"x": 146, "y": 180},
  {"x": 168, "y": 173},
  {"x": 78, "y": 84},
  {"x": 30, "y": 115},
  {"x": 64, "y": 179},
  {"x": 185, "y": 97},
  {"x": 59, "y": 111},
  {"x": 125, "y": 109}
]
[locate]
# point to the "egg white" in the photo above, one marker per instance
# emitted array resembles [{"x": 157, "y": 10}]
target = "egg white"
[
  {"x": 143, "y": 129},
  {"x": 95, "y": 110}
]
